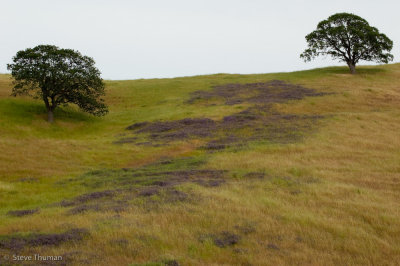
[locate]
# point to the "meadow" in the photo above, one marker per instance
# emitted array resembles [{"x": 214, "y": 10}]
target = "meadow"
[{"x": 269, "y": 169}]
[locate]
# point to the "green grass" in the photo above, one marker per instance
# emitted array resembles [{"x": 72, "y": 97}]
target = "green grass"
[{"x": 331, "y": 198}]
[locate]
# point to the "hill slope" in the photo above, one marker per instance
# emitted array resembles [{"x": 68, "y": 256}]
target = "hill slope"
[{"x": 281, "y": 168}]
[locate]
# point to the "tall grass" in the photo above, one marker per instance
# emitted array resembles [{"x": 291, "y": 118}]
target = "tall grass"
[{"x": 332, "y": 199}]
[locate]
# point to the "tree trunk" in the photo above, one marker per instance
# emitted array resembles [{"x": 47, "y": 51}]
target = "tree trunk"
[
  {"x": 352, "y": 67},
  {"x": 50, "y": 116}
]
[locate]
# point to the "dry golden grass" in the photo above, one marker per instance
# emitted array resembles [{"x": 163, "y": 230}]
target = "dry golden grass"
[
  {"x": 332, "y": 199},
  {"x": 5, "y": 85}
]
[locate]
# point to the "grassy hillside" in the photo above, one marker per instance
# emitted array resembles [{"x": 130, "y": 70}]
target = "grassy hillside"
[{"x": 304, "y": 170}]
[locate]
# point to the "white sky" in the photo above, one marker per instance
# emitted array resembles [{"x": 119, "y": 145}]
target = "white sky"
[{"x": 169, "y": 38}]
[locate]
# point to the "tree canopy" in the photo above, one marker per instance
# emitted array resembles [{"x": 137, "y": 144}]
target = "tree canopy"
[
  {"x": 58, "y": 77},
  {"x": 349, "y": 38}
]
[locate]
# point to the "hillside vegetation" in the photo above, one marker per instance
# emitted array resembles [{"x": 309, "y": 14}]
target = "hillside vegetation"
[{"x": 268, "y": 169}]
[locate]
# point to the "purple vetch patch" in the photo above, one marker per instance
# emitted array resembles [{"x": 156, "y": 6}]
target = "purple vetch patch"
[
  {"x": 20, "y": 213},
  {"x": 259, "y": 122},
  {"x": 261, "y": 93},
  {"x": 19, "y": 242},
  {"x": 222, "y": 239}
]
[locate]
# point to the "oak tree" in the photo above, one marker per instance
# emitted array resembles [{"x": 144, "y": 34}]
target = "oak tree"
[
  {"x": 349, "y": 38},
  {"x": 58, "y": 77}
]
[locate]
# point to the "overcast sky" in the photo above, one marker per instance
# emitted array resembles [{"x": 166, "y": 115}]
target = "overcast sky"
[{"x": 169, "y": 38}]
